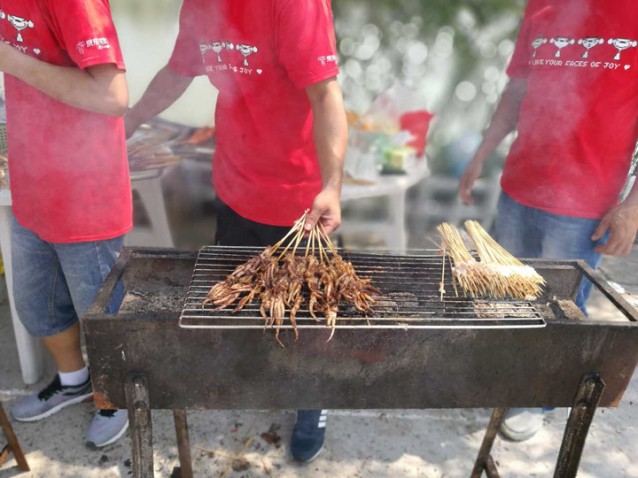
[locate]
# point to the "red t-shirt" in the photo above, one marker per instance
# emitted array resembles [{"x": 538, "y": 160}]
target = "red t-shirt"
[
  {"x": 68, "y": 167},
  {"x": 578, "y": 122},
  {"x": 260, "y": 56}
]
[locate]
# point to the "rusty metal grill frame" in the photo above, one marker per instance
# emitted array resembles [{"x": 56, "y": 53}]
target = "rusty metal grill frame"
[
  {"x": 410, "y": 297},
  {"x": 141, "y": 359}
]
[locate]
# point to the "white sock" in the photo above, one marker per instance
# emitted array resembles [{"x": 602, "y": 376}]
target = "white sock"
[{"x": 72, "y": 379}]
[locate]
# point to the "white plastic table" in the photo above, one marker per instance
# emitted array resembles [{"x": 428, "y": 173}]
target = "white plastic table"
[
  {"x": 148, "y": 185},
  {"x": 30, "y": 350},
  {"x": 394, "y": 187}
]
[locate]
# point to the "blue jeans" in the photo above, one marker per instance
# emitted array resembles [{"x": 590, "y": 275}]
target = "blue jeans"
[
  {"x": 528, "y": 232},
  {"x": 54, "y": 284}
]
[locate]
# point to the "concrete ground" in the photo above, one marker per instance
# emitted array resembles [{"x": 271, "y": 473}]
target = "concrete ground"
[{"x": 379, "y": 443}]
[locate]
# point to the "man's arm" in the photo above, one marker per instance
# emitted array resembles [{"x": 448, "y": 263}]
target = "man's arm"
[
  {"x": 163, "y": 91},
  {"x": 503, "y": 122},
  {"x": 99, "y": 89},
  {"x": 622, "y": 222},
  {"x": 331, "y": 139}
]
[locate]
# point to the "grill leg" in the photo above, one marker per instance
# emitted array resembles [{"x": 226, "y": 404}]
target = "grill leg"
[
  {"x": 13, "y": 446},
  {"x": 484, "y": 461},
  {"x": 587, "y": 398},
  {"x": 183, "y": 445},
  {"x": 139, "y": 413}
]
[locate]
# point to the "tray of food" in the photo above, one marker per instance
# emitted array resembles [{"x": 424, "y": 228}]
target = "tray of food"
[{"x": 151, "y": 147}]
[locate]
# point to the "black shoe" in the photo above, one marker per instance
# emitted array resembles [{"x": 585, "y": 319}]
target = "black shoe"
[{"x": 308, "y": 435}]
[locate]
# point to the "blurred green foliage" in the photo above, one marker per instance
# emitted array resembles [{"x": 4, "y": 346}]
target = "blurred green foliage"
[
  {"x": 437, "y": 13},
  {"x": 440, "y": 11}
]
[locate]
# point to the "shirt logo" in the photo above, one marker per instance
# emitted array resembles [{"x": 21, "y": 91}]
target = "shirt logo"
[
  {"x": 327, "y": 59},
  {"x": 99, "y": 43}
]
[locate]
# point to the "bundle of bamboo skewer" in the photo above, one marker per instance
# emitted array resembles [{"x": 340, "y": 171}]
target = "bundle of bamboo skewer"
[
  {"x": 515, "y": 278},
  {"x": 288, "y": 276},
  {"x": 467, "y": 272},
  {"x": 498, "y": 274}
]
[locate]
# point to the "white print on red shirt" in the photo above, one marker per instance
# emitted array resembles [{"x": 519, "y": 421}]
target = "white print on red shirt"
[
  {"x": 589, "y": 43},
  {"x": 560, "y": 43},
  {"x": 246, "y": 51},
  {"x": 242, "y": 70},
  {"x": 18, "y": 23},
  {"x": 538, "y": 43},
  {"x": 99, "y": 43},
  {"x": 621, "y": 44},
  {"x": 327, "y": 59},
  {"x": 20, "y": 48},
  {"x": 217, "y": 47}
]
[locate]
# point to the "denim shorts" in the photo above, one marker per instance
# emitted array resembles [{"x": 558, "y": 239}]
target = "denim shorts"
[
  {"x": 54, "y": 284},
  {"x": 527, "y": 232}
]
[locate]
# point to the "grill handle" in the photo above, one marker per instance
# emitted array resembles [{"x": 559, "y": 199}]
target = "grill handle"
[{"x": 608, "y": 291}]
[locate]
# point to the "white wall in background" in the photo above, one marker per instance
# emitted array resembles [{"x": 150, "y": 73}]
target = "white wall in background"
[{"x": 147, "y": 30}]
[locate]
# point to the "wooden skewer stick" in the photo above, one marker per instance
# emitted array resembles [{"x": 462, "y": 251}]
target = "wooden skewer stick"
[
  {"x": 322, "y": 230},
  {"x": 442, "y": 285},
  {"x": 298, "y": 224}
]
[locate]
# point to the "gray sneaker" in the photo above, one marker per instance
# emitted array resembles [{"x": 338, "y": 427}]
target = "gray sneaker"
[
  {"x": 520, "y": 424},
  {"x": 51, "y": 400},
  {"x": 107, "y": 427}
]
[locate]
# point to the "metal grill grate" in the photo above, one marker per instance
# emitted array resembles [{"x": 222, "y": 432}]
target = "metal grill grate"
[
  {"x": 3, "y": 139},
  {"x": 410, "y": 297}
]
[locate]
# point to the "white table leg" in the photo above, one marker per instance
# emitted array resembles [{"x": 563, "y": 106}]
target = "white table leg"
[
  {"x": 30, "y": 350},
  {"x": 159, "y": 235},
  {"x": 396, "y": 238}
]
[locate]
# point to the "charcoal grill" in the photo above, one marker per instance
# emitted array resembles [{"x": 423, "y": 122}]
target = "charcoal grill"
[{"x": 161, "y": 351}]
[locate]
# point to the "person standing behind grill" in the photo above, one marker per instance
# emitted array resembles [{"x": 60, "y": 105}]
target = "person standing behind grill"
[
  {"x": 66, "y": 95},
  {"x": 280, "y": 119},
  {"x": 573, "y": 99}
]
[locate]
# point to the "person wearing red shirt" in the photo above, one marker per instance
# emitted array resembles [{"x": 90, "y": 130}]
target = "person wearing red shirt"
[
  {"x": 280, "y": 122},
  {"x": 573, "y": 99},
  {"x": 66, "y": 94}
]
